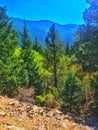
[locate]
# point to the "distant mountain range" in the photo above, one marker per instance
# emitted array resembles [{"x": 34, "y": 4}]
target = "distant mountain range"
[{"x": 40, "y": 29}]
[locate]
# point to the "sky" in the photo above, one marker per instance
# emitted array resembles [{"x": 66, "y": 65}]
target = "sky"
[{"x": 59, "y": 11}]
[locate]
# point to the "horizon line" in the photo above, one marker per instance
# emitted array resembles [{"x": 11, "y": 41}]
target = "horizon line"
[{"x": 46, "y": 20}]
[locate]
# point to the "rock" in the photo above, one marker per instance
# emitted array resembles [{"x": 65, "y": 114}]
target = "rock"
[
  {"x": 68, "y": 117},
  {"x": 13, "y": 101},
  {"x": 63, "y": 124},
  {"x": 41, "y": 111},
  {"x": 2, "y": 113},
  {"x": 58, "y": 117},
  {"x": 58, "y": 112},
  {"x": 15, "y": 128},
  {"x": 19, "y": 115},
  {"x": 36, "y": 108},
  {"x": 41, "y": 128}
]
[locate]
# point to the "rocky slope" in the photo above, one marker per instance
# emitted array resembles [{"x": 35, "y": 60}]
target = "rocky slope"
[{"x": 19, "y": 115}]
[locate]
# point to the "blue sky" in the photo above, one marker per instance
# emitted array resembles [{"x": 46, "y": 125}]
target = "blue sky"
[{"x": 60, "y": 11}]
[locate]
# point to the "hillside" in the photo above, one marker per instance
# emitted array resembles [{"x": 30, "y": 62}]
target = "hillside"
[
  {"x": 39, "y": 29},
  {"x": 19, "y": 115}
]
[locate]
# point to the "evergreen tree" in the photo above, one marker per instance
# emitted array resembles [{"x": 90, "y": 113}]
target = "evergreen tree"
[
  {"x": 8, "y": 36},
  {"x": 25, "y": 39},
  {"x": 90, "y": 15},
  {"x": 53, "y": 51},
  {"x": 86, "y": 49},
  {"x": 94, "y": 84},
  {"x": 86, "y": 44},
  {"x": 3, "y": 20},
  {"x": 67, "y": 49},
  {"x": 37, "y": 46},
  {"x": 8, "y": 45},
  {"x": 71, "y": 92},
  {"x": 31, "y": 61}
]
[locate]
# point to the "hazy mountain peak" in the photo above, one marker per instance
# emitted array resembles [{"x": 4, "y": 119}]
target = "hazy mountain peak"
[{"x": 40, "y": 28}]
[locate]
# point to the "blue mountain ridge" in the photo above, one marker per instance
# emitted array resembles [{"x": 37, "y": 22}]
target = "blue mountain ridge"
[{"x": 40, "y": 29}]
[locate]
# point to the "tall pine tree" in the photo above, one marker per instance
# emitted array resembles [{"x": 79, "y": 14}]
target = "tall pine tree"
[
  {"x": 86, "y": 44},
  {"x": 33, "y": 64},
  {"x": 8, "y": 45},
  {"x": 53, "y": 52}
]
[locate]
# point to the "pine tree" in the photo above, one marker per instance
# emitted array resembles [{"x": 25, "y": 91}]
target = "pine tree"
[
  {"x": 71, "y": 92},
  {"x": 8, "y": 36},
  {"x": 30, "y": 58},
  {"x": 53, "y": 52},
  {"x": 94, "y": 85},
  {"x": 90, "y": 15},
  {"x": 37, "y": 46},
  {"x": 67, "y": 49},
  {"x": 25, "y": 39},
  {"x": 86, "y": 44},
  {"x": 8, "y": 45}
]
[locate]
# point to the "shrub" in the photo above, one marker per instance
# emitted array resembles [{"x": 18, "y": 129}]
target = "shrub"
[
  {"x": 39, "y": 100},
  {"x": 47, "y": 100}
]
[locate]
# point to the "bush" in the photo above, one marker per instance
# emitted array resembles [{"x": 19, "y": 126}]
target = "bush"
[
  {"x": 47, "y": 101},
  {"x": 50, "y": 101},
  {"x": 39, "y": 100}
]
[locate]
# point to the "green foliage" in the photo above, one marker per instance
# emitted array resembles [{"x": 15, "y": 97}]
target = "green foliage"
[
  {"x": 90, "y": 15},
  {"x": 8, "y": 44},
  {"x": 39, "y": 100},
  {"x": 53, "y": 51},
  {"x": 25, "y": 38},
  {"x": 62, "y": 76},
  {"x": 50, "y": 101},
  {"x": 71, "y": 92},
  {"x": 3, "y": 17},
  {"x": 8, "y": 36},
  {"x": 19, "y": 67},
  {"x": 33, "y": 60},
  {"x": 86, "y": 44},
  {"x": 37, "y": 46},
  {"x": 47, "y": 100},
  {"x": 88, "y": 33},
  {"x": 94, "y": 85},
  {"x": 34, "y": 64},
  {"x": 67, "y": 49},
  {"x": 13, "y": 75},
  {"x": 63, "y": 65}
]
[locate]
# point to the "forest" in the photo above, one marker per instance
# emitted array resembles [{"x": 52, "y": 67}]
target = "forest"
[{"x": 61, "y": 75}]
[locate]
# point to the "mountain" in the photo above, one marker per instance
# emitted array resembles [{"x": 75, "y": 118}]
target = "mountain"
[{"x": 40, "y": 29}]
